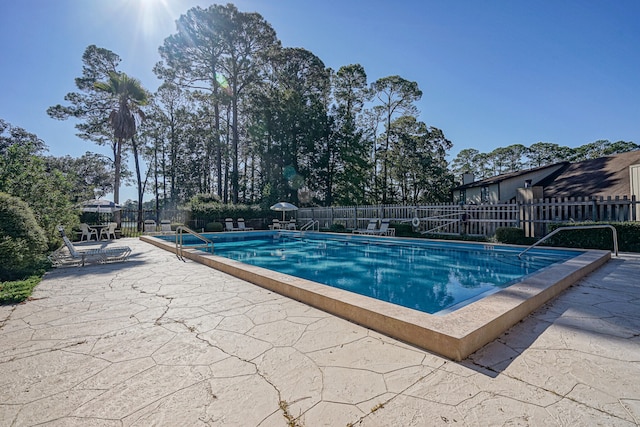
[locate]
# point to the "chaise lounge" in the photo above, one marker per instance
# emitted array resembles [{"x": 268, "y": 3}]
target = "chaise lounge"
[
  {"x": 81, "y": 257},
  {"x": 373, "y": 223}
]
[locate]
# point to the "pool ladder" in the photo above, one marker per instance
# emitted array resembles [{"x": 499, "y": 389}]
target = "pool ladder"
[
  {"x": 577, "y": 227},
  {"x": 311, "y": 225},
  {"x": 181, "y": 231}
]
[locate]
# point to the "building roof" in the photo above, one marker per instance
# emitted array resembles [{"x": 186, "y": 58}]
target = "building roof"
[
  {"x": 606, "y": 176},
  {"x": 499, "y": 178}
]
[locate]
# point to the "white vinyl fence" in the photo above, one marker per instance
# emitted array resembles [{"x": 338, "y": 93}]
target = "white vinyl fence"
[{"x": 483, "y": 219}]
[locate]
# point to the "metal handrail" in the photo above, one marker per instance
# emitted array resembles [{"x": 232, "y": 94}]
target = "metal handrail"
[
  {"x": 451, "y": 221},
  {"x": 180, "y": 231},
  {"x": 310, "y": 225},
  {"x": 577, "y": 227}
]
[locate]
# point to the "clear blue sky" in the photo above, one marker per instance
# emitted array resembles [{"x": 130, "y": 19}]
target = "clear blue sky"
[{"x": 493, "y": 73}]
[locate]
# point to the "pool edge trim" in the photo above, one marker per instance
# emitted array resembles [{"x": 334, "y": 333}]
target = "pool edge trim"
[{"x": 455, "y": 335}]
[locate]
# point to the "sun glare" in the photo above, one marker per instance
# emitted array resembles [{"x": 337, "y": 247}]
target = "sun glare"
[{"x": 153, "y": 16}]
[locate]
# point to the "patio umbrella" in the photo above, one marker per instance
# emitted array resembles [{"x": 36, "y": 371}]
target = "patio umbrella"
[
  {"x": 100, "y": 206},
  {"x": 284, "y": 207}
]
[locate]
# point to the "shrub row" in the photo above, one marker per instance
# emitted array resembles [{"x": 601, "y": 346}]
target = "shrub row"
[
  {"x": 597, "y": 238},
  {"x": 217, "y": 212}
]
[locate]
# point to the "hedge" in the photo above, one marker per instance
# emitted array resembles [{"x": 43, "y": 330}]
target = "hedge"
[
  {"x": 597, "y": 238},
  {"x": 22, "y": 241}
]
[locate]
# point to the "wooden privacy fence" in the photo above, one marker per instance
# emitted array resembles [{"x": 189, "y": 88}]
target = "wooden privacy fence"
[
  {"x": 532, "y": 216},
  {"x": 536, "y": 215},
  {"x": 437, "y": 218}
]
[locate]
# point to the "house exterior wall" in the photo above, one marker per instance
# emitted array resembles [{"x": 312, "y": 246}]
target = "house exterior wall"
[
  {"x": 509, "y": 187},
  {"x": 634, "y": 184},
  {"x": 504, "y": 190},
  {"x": 476, "y": 195}
]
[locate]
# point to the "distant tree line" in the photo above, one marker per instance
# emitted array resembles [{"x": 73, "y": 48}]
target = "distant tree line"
[
  {"x": 518, "y": 157},
  {"x": 240, "y": 117}
]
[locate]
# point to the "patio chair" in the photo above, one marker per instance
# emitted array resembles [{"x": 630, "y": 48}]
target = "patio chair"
[
  {"x": 165, "y": 226},
  {"x": 109, "y": 231},
  {"x": 87, "y": 232},
  {"x": 241, "y": 225},
  {"x": 150, "y": 226},
  {"x": 291, "y": 225},
  {"x": 228, "y": 225},
  {"x": 275, "y": 225},
  {"x": 384, "y": 229},
  {"x": 373, "y": 224}
]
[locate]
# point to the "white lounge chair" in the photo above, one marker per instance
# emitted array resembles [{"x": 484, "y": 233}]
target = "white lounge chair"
[
  {"x": 373, "y": 224},
  {"x": 384, "y": 229},
  {"x": 228, "y": 225},
  {"x": 80, "y": 257},
  {"x": 87, "y": 232},
  {"x": 165, "y": 226},
  {"x": 241, "y": 225},
  {"x": 150, "y": 226}
]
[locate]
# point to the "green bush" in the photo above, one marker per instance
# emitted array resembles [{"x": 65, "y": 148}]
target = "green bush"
[
  {"x": 404, "y": 229},
  {"x": 462, "y": 237},
  {"x": 597, "y": 238},
  {"x": 337, "y": 228},
  {"x": 206, "y": 209},
  {"x": 22, "y": 240},
  {"x": 213, "y": 226},
  {"x": 512, "y": 236}
]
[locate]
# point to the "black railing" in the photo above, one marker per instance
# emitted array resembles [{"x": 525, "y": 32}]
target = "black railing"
[{"x": 132, "y": 220}]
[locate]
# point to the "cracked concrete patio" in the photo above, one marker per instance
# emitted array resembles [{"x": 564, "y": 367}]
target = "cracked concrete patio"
[{"x": 157, "y": 341}]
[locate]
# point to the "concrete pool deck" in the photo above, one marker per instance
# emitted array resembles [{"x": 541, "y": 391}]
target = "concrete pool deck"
[
  {"x": 158, "y": 341},
  {"x": 455, "y": 334}
]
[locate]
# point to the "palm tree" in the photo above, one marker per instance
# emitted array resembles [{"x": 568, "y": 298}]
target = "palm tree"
[{"x": 128, "y": 96}]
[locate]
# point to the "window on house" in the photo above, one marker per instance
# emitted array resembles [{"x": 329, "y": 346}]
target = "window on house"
[
  {"x": 484, "y": 194},
  {"x": 463, "y": 196}
]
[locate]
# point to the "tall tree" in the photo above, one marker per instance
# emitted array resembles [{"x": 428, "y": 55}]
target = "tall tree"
[
  {"x": 417, "y": 162},
  {"x": 465, "y": 162},
  {"x": 547, "y": 153},
  {"x": 91, "y": 174},
  {"x": 220, "y": 50},
  {"x": 397, "y": 97},
  {"x": 91, "y": 106},
  {"x": 127, "y": 96},
  {"x": 621, "y": 147},
  {"x": 350, "y": 167},
  {"x": 191, "y": 60}
]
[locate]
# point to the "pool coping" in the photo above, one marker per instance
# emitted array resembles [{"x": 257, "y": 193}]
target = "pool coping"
[{"x": 455, "y": 335}]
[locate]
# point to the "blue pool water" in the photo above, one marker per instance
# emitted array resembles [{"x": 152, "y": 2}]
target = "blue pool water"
[{"x": 427, "y": 276}]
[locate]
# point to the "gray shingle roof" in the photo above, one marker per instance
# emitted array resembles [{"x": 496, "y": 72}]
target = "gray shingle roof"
[{"x": 606, "y": 176}]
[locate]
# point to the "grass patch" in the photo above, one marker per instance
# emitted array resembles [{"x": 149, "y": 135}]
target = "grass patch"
[{"x": 18, "y": 291}]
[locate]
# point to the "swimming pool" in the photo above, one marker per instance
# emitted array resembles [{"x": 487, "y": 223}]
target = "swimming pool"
[
  {"x": 455, "y": 332},
  {"x": 432, "y": 277}
]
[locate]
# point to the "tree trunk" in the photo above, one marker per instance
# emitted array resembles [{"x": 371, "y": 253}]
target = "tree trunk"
[
  {"x": 235, "y": 173},
  {"x": 134, "y": 144},
  {"x": 116, "y": 181}
]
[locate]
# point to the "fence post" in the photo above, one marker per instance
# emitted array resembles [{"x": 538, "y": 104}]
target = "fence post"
[{"x": 355, "y": 217}]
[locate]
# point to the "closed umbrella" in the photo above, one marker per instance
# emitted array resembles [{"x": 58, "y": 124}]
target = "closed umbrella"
[
  {"x": 100, "y": 206},
  {"x": 283, "y": 207}
]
